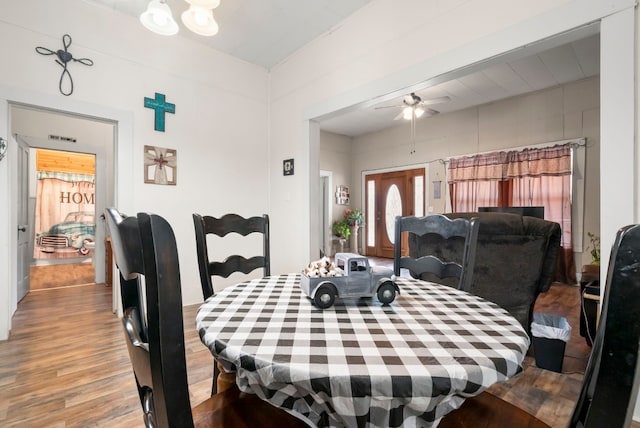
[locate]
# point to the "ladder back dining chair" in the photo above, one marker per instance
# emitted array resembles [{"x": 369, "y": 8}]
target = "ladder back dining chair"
[
  {"x": 610, "y": 385},
  {"x": 220, "y": 227},
  {"x": 466, "y": 229},
  {"x": 229, "y": 223},
  {"x": 145, "y": 252}
]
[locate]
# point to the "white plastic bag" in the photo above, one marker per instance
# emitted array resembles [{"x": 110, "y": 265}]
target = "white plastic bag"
[{"x": 550, "y": 326}]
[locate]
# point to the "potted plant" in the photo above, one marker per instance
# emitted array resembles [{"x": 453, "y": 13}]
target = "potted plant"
[
  {"x": 594, "y": 248},
  {"x": 354, "y": 220},
  {"x": 592, "y": 269},
  {"x": 342, "y": 229},
  {"x": 353, "y": 217},
  {"x": 348, "y": 227}
]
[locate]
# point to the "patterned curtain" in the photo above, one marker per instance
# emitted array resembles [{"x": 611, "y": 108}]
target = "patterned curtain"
[
  {"x": 530, "y": 177},
  {"x": 59, "y": 195},
  {"x": 474, "y": 181},
  {"x": 484, "y": 167},
  {"x": 542, "y": 177}
]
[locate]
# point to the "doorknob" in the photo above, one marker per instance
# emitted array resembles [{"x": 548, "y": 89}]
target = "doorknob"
[{"x": 22, "y": 228}]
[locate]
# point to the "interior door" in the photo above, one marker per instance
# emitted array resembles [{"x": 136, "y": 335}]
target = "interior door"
[{"x": 24, "y": 228}]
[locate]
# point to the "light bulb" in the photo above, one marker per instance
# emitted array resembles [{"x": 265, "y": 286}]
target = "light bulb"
[
  {"x": 157, "y": 18},
  {"x": 407, "y": 113},
  {"x": 419, "y": 111},
  {"x": 160, "y": 19},
  {"x": 200, "y": 17},
  {"x": 200, "y": 21}
]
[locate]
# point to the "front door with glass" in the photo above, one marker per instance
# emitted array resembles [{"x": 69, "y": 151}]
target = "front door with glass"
[{"x": 391, "y": 194}]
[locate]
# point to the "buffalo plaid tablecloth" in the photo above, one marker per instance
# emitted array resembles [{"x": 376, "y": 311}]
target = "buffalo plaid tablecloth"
[{"x": 358, "y": 363}]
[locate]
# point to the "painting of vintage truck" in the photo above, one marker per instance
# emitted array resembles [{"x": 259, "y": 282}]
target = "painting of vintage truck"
[{"x": 77, "y": 231}]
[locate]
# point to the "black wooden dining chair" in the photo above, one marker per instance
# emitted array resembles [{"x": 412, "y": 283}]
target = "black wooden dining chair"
[
  {"x": 610, "y": 385},
  {"x": 145, "y": 252},
  {"x": 433, "y": 264},
  {"x": 229, "y": 223}
]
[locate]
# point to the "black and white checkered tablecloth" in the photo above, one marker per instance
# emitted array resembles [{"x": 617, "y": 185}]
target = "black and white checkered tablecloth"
[{"x": 358, "y": 363}]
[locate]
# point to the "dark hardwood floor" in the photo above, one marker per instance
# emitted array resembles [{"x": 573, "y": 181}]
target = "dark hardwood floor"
[{"x": 66, "y": 364}]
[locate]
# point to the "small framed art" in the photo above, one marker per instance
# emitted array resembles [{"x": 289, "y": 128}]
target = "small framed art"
[{"x": 160, "y": 165}]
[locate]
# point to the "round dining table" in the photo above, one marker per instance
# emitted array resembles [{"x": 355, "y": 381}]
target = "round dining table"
[{"x": 360, "y": 363}]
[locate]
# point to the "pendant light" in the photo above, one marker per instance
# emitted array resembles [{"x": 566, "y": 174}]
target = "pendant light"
[
  {"x": 158, "y": 18},
  {"x": 200, "y": 19},
  {"x": 207, "y": 4},
  {"x": 197, "y": 18}
]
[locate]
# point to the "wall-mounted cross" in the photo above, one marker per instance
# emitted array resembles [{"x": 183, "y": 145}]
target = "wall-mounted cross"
[{"x": 161, "y": 106}]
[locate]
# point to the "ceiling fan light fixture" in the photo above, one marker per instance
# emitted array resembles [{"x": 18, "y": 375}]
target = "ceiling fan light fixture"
[
  {"x": 418, "y": 111},
  {"x": 407, "y": 113},
  {"x": 158, "y": 18},
  {"x": 200, "y": 20},
  {"x": 207, "y": 4}
]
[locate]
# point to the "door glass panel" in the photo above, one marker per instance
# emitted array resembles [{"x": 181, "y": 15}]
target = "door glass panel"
[
  {"x": 418, "y": 196},
  {"x": 371, "y": 213},
  {"x": 393, "y": 208}
]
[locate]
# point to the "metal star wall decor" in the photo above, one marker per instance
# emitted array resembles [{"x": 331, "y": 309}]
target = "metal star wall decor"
[{"x": 63, "y": 58}]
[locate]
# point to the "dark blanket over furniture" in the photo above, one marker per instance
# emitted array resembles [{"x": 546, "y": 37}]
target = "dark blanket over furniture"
[{"x": 515, "y": 259}]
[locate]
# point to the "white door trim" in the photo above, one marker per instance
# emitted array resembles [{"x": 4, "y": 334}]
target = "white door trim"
[{"x": 123, "y": 177}]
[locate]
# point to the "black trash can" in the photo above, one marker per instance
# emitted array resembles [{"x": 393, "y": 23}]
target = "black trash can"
[{"x": 550, "y": 335}]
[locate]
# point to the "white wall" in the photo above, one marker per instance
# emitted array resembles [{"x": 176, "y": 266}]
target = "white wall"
[
  {"x": 335, "y": 156},
  {"x": 560, "y": 113},
  {"x": 385, "y": 49},
  {"x": 217, "y": 97},
  {"x": 381, "y": 49}
]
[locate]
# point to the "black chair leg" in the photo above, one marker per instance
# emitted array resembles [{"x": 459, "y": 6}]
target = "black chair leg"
[{"x": 214, "y": 384}]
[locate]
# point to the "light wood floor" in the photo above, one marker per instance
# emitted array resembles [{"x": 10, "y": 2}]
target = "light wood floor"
[
  {"x": 60, "y": 275},
  {"x": 66, "y": 365}
]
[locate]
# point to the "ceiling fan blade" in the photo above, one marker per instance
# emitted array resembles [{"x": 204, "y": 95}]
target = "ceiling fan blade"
[
  {"x": 438, "y": 100},
  {"x": 399, "y": 116},
  {"x": 381, "y": 107},
  {"x": 428, "y": 112}
]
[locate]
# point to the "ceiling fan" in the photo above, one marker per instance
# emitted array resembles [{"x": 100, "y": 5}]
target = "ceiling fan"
[{"x": 414, "y": 107}]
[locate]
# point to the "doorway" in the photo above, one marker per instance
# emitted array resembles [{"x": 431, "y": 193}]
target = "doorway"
[
  {"x": 325, "y": 213},
  {"x": 387, "y": 195},
  {"x": 64, "y": 219},
  {"x": 70, "y": 159}
]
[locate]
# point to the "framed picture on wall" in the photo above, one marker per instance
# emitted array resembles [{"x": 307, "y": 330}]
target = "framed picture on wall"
[
  {"x": 342, "y": 195},
  {"x": 160, "y": 165}
]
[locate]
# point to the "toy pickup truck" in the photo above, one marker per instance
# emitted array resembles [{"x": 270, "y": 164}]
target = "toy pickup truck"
[{"x": 355, "y": 278}]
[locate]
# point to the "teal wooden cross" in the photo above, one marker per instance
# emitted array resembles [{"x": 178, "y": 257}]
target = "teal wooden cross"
[{"x": 161, "y": 106}]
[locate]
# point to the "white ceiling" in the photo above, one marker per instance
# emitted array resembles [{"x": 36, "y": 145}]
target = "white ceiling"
[
  {"x": 556, "y": 66},
  {"x": 262, "y": 32},
  {"x": 266, "y": 32}
]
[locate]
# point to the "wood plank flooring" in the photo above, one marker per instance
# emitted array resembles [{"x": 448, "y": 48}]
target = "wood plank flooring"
[
  {"x": 66, "y": 364},
  {"x": 60, "y": 275}
]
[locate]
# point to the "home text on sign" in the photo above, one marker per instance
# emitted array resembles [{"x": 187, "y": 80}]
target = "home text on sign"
[{"x": 77, "y": 198}]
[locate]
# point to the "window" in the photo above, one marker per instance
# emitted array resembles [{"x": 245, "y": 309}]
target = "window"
[{"x": 530, "y": 177}]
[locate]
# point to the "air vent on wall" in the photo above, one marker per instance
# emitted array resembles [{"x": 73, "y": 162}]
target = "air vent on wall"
[{"x": 61, "y": 138}]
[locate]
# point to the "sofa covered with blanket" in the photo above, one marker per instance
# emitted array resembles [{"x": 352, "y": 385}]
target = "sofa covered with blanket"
[{"x": 515, "y": 259}]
